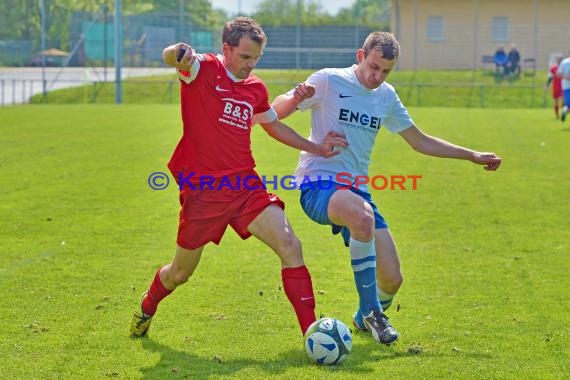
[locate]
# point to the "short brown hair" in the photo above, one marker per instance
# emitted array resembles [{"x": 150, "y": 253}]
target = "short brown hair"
[
  {"x": 240, "y": 27},
  {"x": 383, "y": 42}
]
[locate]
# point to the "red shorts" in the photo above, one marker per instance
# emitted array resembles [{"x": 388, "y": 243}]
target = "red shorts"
[
  {"x": 556, "y": 93},
  {"x": 207, "y": 210}
]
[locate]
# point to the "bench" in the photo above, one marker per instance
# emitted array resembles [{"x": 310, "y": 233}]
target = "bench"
[
  {"x": 486, "y": 59},
  {"x": 529, "y": 67},
  {"x": 488, "y": 62}
]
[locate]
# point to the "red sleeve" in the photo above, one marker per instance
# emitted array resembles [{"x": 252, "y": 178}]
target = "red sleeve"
[{"x": 263, "y": 105}]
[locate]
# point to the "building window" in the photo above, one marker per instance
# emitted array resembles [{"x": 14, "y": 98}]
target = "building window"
[
  {"x": 435, "y": 28},
  {"x": 500, "y": 29}
]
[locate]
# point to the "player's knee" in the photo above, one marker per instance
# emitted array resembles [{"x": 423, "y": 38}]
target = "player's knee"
[
  {"x": 289, "y": 249},
  {"x": 291, "y": 244},
  {"x": 180, "y": 277},
  {"x": 393, "y": 283},
  {"x": 362, "y": 227}
]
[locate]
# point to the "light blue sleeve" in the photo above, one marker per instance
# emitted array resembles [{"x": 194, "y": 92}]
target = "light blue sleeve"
[
  {"x": 398, "y": 118},
  {"x": 319, "y": 80}
]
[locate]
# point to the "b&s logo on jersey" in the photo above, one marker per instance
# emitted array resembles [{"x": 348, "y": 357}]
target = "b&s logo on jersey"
[{"x": 236, "y": 113}]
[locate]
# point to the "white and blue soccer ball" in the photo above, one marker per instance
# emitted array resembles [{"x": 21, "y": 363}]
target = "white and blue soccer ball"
[{"x": 328, "y": 341}]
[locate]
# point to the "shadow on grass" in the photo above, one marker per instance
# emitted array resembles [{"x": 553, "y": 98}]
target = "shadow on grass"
[
  {"x": 176, "y": 363},
  {"x": 187, "y": 365},
  {"x": 401, "y": 351}
]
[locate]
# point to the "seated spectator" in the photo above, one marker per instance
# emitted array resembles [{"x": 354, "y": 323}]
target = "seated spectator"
[
  {"x": 501, "y": 62},
  {"x": 514, "y": 61}
]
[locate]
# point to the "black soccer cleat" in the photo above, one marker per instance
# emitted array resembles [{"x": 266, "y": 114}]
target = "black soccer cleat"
[{"x": 382, "y": 330}]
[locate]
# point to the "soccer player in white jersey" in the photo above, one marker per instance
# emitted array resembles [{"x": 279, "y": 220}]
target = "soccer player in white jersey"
[{"x": 356, "y": 101}]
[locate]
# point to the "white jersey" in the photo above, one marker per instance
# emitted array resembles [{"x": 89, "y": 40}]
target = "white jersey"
[
  {"x": 342, "y": 104},
  {"x": 564, "y": 72}
]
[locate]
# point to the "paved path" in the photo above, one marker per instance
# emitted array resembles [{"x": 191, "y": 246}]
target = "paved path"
[{"x": 18, "y": 84}]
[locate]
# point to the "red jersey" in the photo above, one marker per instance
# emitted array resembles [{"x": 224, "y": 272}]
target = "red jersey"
[
  {"x": 217, "y": 111},
  {"x": 556, "y": 80}
]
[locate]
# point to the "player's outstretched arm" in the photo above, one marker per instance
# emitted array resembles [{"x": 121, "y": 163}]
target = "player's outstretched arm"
[
  {"x": 285, "y": 134},
  {"x": 286, "y": 104},
  {"x": 437, "y": 147}
]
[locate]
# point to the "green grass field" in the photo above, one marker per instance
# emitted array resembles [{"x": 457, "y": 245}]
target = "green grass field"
[
  {"x": 434, "y": 88},
  {"x": 485, "y": 255}
]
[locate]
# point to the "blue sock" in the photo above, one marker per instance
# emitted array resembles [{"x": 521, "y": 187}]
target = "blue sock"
[
  {"x": 363, "y": 260},
  {"x": 385, "y": 299}
]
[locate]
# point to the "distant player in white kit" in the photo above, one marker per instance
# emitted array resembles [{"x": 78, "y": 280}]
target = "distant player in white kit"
[{"x": 356, "y": 102}]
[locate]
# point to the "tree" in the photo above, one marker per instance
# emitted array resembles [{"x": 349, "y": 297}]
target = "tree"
[
  {"x": 372, "y": 13},
  {"x": 199, "y": 12},
  {"x": 18, "y": 19},
  {"x": 276, "y": 12},
  {"x": 21, "y": 19},
  {"x": 287, "y": 12}
]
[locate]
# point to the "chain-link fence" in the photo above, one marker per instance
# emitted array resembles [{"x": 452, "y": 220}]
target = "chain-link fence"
[
  {"x": 85, "y": 54},
  {"x": 91, "y": 43}
]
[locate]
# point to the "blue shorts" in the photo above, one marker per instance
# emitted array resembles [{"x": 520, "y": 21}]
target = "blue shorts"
[
  {"x": 315, "y": 197},
  {"x": 566, "y": 95}
]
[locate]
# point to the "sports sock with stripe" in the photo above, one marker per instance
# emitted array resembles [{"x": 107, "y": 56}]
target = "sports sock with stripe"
[
  {"x": 363, "y": 261},
  {"x": 385, "y": 299}
]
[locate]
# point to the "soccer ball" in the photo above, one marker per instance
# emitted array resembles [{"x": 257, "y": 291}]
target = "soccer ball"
[{"x": 328, "y": 341}]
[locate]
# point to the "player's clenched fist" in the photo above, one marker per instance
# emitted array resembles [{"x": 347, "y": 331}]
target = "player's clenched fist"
[
  {"x": 303, "y": 91},
  {"x": 180, "y": 55},
  {"x": 185, "y": 56},
  {"x": 490, "y": 160}
]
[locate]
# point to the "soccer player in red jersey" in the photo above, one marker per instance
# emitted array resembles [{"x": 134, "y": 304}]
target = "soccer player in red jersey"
[
  {"x": 556, "y": 86},
  {"x": 221, "y": 100}
]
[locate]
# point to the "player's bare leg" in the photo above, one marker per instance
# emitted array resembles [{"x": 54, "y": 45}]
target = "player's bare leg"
[
  {"x": 182, "y": 267},
  {"x": 388, "y": 271},
  {"x": 557, "y": 104},
  {"x": 272, "y": 227},
  {"x": 166, "y": 280}
]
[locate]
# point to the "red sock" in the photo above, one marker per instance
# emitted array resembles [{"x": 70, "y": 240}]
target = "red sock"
[
  {"x": 556, "y": 111},
  {"x": 299, "y": 289},
  {"x": 156, "y": 293}
]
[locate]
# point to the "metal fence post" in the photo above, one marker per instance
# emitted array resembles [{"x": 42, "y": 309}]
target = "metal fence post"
[
  {"x": 118, "y": 52},
  {"x": 43, "y": 45},
  {"x": 298, "y": 37},
  {"x": 94, "y": 92},
  {"x": 31, "y": 90},
  {"x": 418, "y": 95}
]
